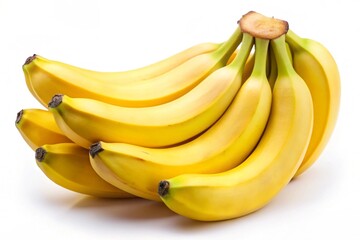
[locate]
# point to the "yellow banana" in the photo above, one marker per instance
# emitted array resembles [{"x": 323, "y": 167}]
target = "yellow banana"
[
  {"x": 86, "y": 121},
  {"x": 46, "y": 78},
  {"x": 68, "y": 165},
  {"x": 38, "y": 127},
  {"x": 139, "y": 74},
  {"x": 252, "y": 184},
  {"x": 314, "y": 63},
  {"x": 122, "y": 77},
  {"x": 225, "y": 145}
]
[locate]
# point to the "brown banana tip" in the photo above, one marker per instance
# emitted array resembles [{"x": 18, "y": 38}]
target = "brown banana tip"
[
  {"x": 19, "y": 116},
  {"x": 30, "y": 59},
  {"x": 55, "y": 101},
  {"x": 40, "y": 154},
  {"x": 163, "y": 188},
  {"x": 95, "y": 148}
]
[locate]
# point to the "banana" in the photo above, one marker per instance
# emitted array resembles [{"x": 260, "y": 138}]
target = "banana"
[
  {"x": 86, "y": 121},
  {"x": 314, "y": 63},
  {"x": 38, "y": 127},
  {"x": 225, "y": 145},
  {"x": 122, "y": 77},
  {"x": 68, "y": 165},
  {"x": 46, "y": 78},
  {"x": 251, "y": 185},
  {"x": 139, "y": 74}
]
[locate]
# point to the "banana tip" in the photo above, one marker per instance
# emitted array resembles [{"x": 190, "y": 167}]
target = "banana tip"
[
  {"x": 40, "y": 154},
  {"x": 30, "y": 59},
  {"x": 55, "y": 101},
  {"x": 19, "y": 116},
  {"x": 95, "y": 148},
  {"x": 163, "y": 188}
]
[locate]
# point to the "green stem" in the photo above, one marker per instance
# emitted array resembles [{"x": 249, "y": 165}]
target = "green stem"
[
  {"x": 261, "y": 53},
  {"x": 283, "y": 61},
  {"x": 293, "y": 40},
  {"x": 224, "y": 52},
  {"x": 243, "y": 54},
  {"x": 273, "y": 68}
]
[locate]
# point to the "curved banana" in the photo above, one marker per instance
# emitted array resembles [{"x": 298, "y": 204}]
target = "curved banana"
[
  {"x": 46, "y": 78},
  {"x": 252, "y": 184},
  {"x": 122, "y": 77},
  {"x": 223, "y": 146},
  {"x": 314, "y": 63},
  {"x": 38, "y": 127},
  {"x": 139, "y": 74},
  {"x": 68, "y": 165},
  {"x": 86, "y": 121}
]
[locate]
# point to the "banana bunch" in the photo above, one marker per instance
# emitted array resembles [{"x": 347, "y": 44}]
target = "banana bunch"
[{"x": 214, "y": 132}]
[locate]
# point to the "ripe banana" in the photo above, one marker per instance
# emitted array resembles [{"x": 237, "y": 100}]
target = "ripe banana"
[
  {"x": 86, "y": 121},
  {"x": 225, "y": 145},
  {"x": 46, "y": 78},
  {"x": 38, "y": 127},
  {"x": 143, "y": 73},
  {"x": 252, "y": 184},
  {"x": 68, "y": 165},
  {"x": 314, "y": 63}
]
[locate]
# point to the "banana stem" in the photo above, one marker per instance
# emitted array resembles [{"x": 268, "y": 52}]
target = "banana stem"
[
  {"x": 261, "y": 52},
  {"x": 263, "y": 27},
  {"x": 273, "y": 68},
  {"x": 243, "y": 54},
  {"x": 293, "y": 39},
  {"x": 283, "y": 61},
  {"x": 227, "y": 48}
]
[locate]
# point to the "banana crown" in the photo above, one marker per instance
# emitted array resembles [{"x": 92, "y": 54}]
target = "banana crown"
[{"x": 214, "y": 131}]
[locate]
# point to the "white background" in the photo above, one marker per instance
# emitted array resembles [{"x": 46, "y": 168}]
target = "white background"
[{"x": 120, "y": 35}]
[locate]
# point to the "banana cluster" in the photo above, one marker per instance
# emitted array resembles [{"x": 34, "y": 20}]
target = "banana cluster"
[{"x": 214, "y": 131}]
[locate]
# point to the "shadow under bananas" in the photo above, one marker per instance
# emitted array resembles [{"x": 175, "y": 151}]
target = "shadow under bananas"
[{"x": 135, "y": 209}]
